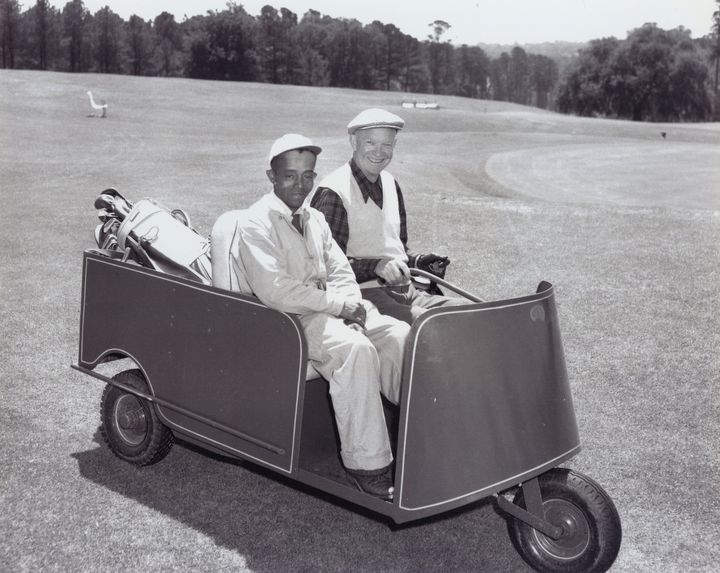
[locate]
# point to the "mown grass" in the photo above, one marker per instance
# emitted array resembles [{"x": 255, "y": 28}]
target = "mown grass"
[{"x": 636, "y": 272}]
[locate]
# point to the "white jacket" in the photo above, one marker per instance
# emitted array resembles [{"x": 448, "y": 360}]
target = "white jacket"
[{"x": 292, "y": 272}]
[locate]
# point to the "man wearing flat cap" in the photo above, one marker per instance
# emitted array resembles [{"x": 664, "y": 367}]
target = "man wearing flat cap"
[
  {"x": 364, "y": 207},
  {"x": 282, "y": 251}
]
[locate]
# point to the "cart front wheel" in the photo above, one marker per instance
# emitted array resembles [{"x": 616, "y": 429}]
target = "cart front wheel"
[
  {"x": 591, "y": 530},
  {"x": 130, "y": 426}
]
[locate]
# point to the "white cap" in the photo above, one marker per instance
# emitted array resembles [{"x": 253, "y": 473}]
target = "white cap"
[
  {"x": 291, "y": 141},
  {"x": 374, "y": 117}
]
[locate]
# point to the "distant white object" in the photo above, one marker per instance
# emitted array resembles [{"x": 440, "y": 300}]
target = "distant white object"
[
  {"x": 421, "y": 104},
  {"x": 98, "y": 107}
]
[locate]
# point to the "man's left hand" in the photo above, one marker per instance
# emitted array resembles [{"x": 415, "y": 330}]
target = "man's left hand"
[
  {"x": 432, "y": 263},
  {"x": 354, "y": 314}
]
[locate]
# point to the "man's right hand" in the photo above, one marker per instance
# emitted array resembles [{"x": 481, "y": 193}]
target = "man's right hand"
[
  {"x": 393, "y": 272},
  {"x": 354, "y": 313}
]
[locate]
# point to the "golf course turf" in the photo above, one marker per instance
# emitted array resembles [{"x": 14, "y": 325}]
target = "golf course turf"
[{"x": 624, "y": 222}]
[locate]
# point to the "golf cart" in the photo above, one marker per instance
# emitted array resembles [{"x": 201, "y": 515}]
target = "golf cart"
[{"x": 485, "y": 408}]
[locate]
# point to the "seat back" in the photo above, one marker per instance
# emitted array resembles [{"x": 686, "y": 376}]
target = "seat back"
[{"x": 228, "y": 271}]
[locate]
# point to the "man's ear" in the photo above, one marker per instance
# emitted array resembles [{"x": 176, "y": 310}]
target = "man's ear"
[
  {"x": 270, "y": 176},
  {"x": 353, "y": 141}
]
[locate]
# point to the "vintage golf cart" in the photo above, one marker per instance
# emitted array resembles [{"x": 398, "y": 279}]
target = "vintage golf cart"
[{"x": 486, "y": 408}]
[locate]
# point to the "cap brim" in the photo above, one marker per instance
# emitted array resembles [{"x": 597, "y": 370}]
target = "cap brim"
[
  {"x": 314, "y": 148},
  {"x": 394, "y": 126}
]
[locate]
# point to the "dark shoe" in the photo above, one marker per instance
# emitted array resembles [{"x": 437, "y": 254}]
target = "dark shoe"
[{"x": 375, "y": 482}]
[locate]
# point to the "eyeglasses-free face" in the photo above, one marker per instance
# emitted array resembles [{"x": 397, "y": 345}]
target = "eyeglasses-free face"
[{"x": 293, "y": 176}]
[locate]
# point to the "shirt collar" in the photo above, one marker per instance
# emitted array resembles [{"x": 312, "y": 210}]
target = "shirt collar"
[
  {"x": 276, "y": 204},
  {"x": 369, "y": 189}
]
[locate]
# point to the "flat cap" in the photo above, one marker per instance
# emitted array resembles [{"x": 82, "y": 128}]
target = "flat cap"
[
  {"x": 291, "y": 141},
  {"x": 374, "y": 117}
]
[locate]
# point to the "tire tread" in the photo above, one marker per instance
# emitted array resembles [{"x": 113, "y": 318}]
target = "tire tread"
[
  {"x": 599, "y": 509},
  {"x": 161, "y": 438}
]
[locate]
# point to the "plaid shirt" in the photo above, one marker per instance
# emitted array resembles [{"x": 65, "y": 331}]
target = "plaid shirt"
[{"x": 329, "y": 203}]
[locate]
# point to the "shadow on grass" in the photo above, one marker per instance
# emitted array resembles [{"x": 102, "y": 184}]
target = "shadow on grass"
[{"x": 277, "y": 524}]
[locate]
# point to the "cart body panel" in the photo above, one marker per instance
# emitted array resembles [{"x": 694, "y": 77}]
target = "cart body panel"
[
  {"x": 486, "y": 402},
  {"x": 235, "y": 364}
]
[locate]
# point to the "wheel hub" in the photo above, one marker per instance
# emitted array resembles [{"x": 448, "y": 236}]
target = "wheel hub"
[
  {"x": 131, "y": 420},
  {"x": 576, "y": 532},
  {"x": 129, "y": 416}
]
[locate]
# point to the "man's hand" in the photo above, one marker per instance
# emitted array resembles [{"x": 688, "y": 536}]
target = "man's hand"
[
  {"x": 432, "y": 263},
  {"x": 393, "y": 272},
  {"x": 354, "y": 314}
]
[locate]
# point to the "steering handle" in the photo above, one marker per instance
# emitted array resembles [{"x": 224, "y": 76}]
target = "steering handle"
[{"x": 446, "y": 284}]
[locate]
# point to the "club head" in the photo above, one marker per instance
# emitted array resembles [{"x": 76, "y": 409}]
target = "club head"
[
  {"x": 122, "y": 207},
  {"x": 111, "y": 226},
  {"x": 109, "y": 242},
  {"x": 121, "y": 202},
  {"x": 105, "y": 202},
  {"x": 114, "y": 193},
  {"x": 181, "y": 216},
  {"x": 104, "y": 215}
]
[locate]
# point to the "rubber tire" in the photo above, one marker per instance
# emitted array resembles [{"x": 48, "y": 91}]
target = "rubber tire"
[
  {"x": 573, "y": 495},
  {"x": 146, "y": 443}
]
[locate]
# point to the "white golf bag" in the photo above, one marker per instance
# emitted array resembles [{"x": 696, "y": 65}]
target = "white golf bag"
[{"x": 152, "y": 236}]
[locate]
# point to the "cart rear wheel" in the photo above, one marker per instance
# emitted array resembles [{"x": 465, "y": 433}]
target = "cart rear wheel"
[
  {"x": 591, "y": 535},
  {"x": 130, "y": 425}
]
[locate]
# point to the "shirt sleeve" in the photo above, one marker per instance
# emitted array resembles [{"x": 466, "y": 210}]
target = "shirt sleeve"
[
  {"x": 272, "y": 284},
  {"x": 328, "y": 202}
]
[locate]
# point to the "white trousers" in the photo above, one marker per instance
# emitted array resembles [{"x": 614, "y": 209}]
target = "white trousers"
[{"x": 358, "y": 368}]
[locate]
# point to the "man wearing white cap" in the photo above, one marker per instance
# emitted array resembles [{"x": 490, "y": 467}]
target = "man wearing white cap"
[
  {"x": 285, "y": 251},
  {"x": 364, "y": 207}
]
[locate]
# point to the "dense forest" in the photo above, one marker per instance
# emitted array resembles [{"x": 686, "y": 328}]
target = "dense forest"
[{"x": 653, "y": 74}]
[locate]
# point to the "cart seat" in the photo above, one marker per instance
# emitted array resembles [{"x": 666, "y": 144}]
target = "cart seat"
[{"x": 228, "y": 271}]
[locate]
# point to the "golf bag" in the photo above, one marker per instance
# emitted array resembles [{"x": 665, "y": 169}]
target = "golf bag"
[{"x": 152, "y": 236}]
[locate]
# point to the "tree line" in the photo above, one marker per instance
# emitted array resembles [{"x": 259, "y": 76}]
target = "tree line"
[
  {"x": 654, "y": 74},
  {"x": 275, "y": 46}
]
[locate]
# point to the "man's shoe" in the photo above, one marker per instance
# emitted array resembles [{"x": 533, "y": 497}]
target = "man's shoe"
[{"x": 375, "y": 482}]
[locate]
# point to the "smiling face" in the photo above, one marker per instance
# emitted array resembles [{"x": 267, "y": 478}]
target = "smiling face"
[
  {"x": 293, "y": 176},
  {"x": 373, "y": 149}
]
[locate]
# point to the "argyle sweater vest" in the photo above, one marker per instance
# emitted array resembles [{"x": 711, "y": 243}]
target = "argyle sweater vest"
[{"x": 374, "y": 232}]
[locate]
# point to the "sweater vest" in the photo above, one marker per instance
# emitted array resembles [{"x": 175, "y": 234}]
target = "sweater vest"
[{"x": 374, "y": 232}]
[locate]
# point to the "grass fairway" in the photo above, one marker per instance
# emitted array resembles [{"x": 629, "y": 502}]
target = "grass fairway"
[{"x": 625, "y": 223}]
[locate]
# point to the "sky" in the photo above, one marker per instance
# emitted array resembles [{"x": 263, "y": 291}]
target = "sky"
[{"x": 472, "y": 21}]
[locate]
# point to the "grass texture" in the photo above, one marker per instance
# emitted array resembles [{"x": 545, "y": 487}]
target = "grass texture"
[{"x": 625, "y": 223}]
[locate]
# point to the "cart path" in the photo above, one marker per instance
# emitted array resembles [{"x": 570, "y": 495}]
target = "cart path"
[{"x": 643, "y": 174}]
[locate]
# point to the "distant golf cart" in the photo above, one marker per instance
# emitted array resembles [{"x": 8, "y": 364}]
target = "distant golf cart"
[{"x": 485, "y": 406}]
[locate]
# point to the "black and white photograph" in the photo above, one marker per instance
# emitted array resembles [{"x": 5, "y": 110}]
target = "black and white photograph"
[{"x": 363, "y": 287}]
